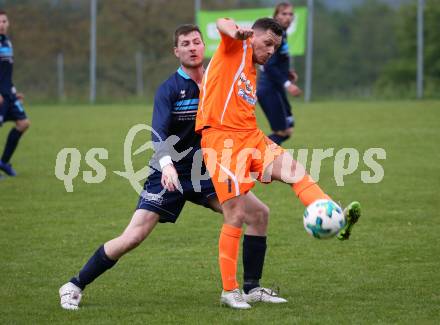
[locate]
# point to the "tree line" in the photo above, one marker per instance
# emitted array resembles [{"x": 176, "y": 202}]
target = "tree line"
[{"x": 366, "y": 52}]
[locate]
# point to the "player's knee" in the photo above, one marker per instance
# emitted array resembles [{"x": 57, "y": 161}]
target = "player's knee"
[
  {"x": 235, "y": 217},
  {"x": 259, "y": 217},
  {"x": 23, "y": 125},
  {"x": 262, "y": 214},
  {"x": 234, "y": 211}
]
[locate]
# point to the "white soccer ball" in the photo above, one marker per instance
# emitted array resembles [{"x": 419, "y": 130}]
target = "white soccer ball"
[{"x": 323, "y": 219}]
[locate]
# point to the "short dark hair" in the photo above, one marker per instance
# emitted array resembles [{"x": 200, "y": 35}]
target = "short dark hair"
[
  {"x": 185, "y": 30},
  {"x": 268, "y": 24},
  {"x": 281, "y": 6},
  {"x": 3, "y": 12}
]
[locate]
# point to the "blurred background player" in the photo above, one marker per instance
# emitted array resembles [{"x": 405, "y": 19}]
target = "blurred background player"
[
  {"x": 226, "y": 120},
  {"x": 11, "y": 108},
  {"x": 175, "y": 109},
  {"x": 276, "y": 79}
]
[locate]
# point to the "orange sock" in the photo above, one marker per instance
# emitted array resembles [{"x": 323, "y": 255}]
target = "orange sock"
[
  {"x": 308, "y": 191},
  {"x": 228, "y": 247}
]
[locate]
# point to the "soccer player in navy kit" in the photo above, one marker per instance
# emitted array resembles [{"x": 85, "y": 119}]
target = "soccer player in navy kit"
[
  {"x": 11, "y": 108},
  {"x": 275, "y": 79},
  {"x": 175, "y": 108}
]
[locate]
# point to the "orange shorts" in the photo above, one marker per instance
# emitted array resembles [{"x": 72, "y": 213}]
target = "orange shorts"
[{"x": 235, "y": 159}]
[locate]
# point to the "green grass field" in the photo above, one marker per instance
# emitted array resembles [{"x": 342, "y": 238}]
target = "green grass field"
[{"x": 388, "y": 272}]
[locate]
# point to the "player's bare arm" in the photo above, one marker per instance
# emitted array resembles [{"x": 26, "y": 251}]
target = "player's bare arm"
[{"x": 228, "y": 27}]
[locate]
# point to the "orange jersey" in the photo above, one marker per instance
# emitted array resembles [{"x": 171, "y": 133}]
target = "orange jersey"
[
  {"x": 228, "y": 93},
  {"x": 236, "y": 158}
]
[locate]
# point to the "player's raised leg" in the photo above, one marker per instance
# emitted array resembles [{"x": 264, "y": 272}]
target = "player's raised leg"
[
  {"x": 106, "y": 256},
  {"x": 286, "y": 169}
]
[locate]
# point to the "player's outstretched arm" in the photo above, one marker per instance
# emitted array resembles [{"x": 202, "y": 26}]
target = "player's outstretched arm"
[{"x": 228, "y": 27}]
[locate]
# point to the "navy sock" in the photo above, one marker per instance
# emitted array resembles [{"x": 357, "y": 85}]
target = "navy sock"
[
  {"x": 254, "y": 251},
  {"x": 11, "y": 143},
  {"x": 96, "y": 265},
  {"x": 278, "y": 139}
]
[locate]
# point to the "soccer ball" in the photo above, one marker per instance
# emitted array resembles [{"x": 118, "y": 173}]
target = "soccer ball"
[{"x": 323, "y": 219}]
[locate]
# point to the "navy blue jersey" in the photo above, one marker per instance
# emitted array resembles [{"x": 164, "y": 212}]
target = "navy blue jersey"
[
  {"x": 276, "y": 70},
  {"x": 174, "y": 113},
  {"x": 6, "y": 63}
]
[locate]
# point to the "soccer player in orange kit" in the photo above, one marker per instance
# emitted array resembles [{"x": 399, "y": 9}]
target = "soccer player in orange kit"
[{"x": 236, "y": 151}]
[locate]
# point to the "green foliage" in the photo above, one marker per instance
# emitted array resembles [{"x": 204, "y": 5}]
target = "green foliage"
[
  {"x": 351, "y": 49},
  {"x": 367, "y": 51},
  {"x": 401, "y": 72}
]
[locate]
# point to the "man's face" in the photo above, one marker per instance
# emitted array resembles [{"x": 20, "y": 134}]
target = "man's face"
[
  {"x": 264, "y": 45},
  {"x": 190, "y": 50},
  {"x": 4, "y": 24},
  {"x": 285, "y": 17}
]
